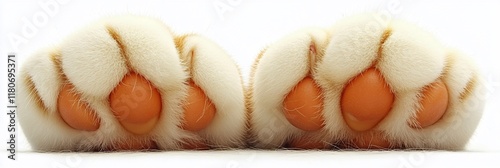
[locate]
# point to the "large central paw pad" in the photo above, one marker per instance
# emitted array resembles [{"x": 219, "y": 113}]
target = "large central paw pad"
[
  {"x": 136, "y": 103},
  {"x": 129, "y": 83},
  {"x": 361, "y": 84}
]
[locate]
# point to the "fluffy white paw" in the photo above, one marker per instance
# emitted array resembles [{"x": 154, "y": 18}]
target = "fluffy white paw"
[
  {"x": 362, "y": 84},
  {"x": 129, "y": 83}
]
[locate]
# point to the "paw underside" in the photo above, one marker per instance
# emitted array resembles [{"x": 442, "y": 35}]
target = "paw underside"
[
  {"x": 363, "y": 85},
  {"x": 129, "y": 83}
]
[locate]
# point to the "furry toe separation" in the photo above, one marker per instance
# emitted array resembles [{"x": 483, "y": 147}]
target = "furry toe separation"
[
  {"x": 129, "y": 83},
  {"x": 392, "y": 86}
]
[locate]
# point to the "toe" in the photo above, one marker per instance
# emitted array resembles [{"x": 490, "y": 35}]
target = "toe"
[
  {"x": 303, "y": 106},
  {"x": 76, "y": 112},
  {"x": 434, "y": 103},
  {"x": 366, "y": 100},
  {"x": 199, "y": 111},
  {"x": 136, "y": 104}
]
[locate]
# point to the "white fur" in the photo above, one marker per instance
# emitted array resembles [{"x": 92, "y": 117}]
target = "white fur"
[
  {"x": 218, "y": 76},
  {"x": 36, "y": 122},
  {"x": 91, "y": 60},
  {"x": 281, "y": 67},
  {"x": 411, "y": 59}
]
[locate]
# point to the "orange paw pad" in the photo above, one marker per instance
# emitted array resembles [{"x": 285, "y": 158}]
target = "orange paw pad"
[
  {"x": 136, "y": 103},
  {"x": 199, "y": 111},
  {"x": 434, "y": 103},
  {"x": 366, "y": 100},
  {"x": 75, "y": 112},
  {"x": 303, "y": 106}
]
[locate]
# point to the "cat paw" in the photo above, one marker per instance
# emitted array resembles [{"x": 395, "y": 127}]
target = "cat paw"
[
  {"x": 129, "y": 83},
  {"x": 362, "y": 84}
]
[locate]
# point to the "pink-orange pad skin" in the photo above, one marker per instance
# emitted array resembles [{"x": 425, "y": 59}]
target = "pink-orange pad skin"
[
  {"x": 199, "y": 111},
  {"x": 366, "y": 100},
  {"x": 303, "y": 106},
  {"x": 76, "y": 112},
  {"x": 136, "y": 104}
]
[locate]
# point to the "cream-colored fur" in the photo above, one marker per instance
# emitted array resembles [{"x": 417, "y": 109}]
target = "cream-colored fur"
[
  {"x": 92, "y": 61},
  {"x": 409, "y": 60}
]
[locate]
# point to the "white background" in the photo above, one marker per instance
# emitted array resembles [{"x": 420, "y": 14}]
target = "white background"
[{"x": 243, "y": 28}]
